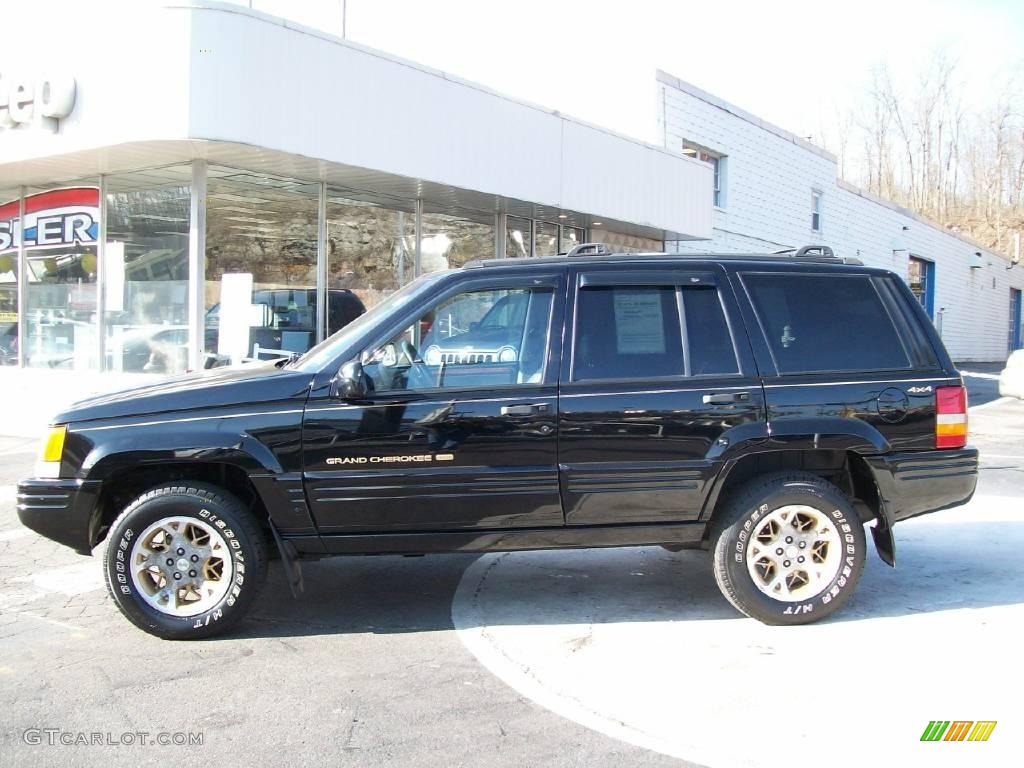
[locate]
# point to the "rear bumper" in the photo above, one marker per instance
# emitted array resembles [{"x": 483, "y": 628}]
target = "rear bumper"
[
  {"x": 61, "y": 510},
  {"x": 926, "y": 481}
]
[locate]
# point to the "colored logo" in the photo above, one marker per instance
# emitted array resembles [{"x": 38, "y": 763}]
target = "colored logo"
[
  {"x": 958, "y": 730},
  {"x": 54, "y": 219}
]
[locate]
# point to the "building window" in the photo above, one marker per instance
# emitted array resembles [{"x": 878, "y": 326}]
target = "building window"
[
  {"x": 61, "y": 229},
  {"x": 518, "y": 237},
  {"x": 9, "y": 211},
  {"x": 261, "y": 282},
  {"x": 816, "y": 211},
  {"x": 717, "y": 162},
  {"x": 921, "y": 277},
  {"x": 449, "y": 240},
  {"x": 545, "y": 239},
  {"x": 571, "y": 237},
  {"x": 371, "y": 251},
  {"x": 146, "y": 270}
]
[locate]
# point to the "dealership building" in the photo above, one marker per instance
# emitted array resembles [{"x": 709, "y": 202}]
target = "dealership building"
[{"x": 235, "y": 200}]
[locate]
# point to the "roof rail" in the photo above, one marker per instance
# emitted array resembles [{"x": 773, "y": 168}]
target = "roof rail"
[
  {"x": 815, "y": 250},
  {"x": 589, "y": 249},
  {"x": 818, "y": 253}
]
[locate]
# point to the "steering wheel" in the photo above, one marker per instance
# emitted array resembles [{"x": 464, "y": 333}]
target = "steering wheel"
[{"x": 418, "y": 377}]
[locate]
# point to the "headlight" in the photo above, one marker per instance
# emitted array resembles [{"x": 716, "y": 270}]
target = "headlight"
[
  {"x": 507, "y": 355},
  {"x": 53, "y": 450}
]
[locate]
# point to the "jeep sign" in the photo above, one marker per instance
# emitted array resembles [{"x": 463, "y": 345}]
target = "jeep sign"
[{"x": 41, "y": 102}]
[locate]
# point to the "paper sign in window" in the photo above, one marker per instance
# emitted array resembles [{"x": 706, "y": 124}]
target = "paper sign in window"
[{"x": 639, "y": 327}]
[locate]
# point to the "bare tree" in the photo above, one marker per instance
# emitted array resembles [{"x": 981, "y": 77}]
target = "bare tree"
[{"x": 925, "y": 149}]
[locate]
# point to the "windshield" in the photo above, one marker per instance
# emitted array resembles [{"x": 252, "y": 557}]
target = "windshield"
[{"x": 328, "y": 349}]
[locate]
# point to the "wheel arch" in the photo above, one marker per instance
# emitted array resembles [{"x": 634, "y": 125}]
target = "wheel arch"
[
  {"x": 124, "y": 483},
  {"x": 843, "y": 467}
]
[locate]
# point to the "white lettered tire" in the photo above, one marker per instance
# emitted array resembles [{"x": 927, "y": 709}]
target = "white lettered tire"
[
  {"x": 789, "y": 548},
  {"x": 185, "y": 561}
]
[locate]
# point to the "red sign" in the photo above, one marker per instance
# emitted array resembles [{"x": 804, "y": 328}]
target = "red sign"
[{"x": 55, "y": 219}]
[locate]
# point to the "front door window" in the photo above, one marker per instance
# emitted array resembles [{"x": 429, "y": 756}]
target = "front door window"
[{"x": 476, "y": 339}]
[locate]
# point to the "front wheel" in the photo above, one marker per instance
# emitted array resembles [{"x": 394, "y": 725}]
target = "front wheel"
[
  {"x": 789, "y": 548},
  {"x": 185, "y": 561}
]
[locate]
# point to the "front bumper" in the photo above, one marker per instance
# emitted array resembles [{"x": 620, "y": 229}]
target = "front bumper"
[
  {"x": 925, "y": 481},
  {"x": 61, "y": 510}
]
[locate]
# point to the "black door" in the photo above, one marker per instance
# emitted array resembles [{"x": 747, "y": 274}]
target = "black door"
[
  {"x": 660, "y": 372},
  {"x": 459, "y": 431}
]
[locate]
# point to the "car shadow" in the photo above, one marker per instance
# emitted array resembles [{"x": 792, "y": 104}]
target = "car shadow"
[{"x": 941, "y": 566}]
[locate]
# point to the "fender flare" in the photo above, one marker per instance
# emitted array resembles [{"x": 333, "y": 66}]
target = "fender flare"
[
  {"x": 804, "y": 434},
  {"x": 800, "y": 433},
  {"x": 240, "y": 450}
]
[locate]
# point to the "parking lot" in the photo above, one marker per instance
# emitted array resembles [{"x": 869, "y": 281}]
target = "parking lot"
[{"x": 622, "y": 656}]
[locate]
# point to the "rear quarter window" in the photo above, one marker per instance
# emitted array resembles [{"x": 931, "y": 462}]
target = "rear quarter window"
[{"x": 816, "y": 322}]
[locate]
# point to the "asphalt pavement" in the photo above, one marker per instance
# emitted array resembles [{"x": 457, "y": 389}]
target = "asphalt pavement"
[{"x": 599, "y": 657}]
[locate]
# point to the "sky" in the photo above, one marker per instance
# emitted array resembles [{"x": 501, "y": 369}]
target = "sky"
[{"x": 794, "y": 63}]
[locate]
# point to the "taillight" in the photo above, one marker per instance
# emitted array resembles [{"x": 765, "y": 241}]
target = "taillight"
[{"x": 950, "y": 417}]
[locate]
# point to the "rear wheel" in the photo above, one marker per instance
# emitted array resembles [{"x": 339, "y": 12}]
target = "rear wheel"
[
  {"x": 185, "y": 561},
  {"x": 789, "y": 548}
]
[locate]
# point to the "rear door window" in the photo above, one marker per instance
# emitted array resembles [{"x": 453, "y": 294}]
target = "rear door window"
[
  {"x": 651, "y": 331},
  {"x": 820, "y": 322}
]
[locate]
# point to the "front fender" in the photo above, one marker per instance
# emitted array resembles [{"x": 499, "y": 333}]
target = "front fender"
[{"x": 122, "y": 452}]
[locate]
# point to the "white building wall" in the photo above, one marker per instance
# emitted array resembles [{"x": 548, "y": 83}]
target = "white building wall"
[{"x": 768, "y": 180}]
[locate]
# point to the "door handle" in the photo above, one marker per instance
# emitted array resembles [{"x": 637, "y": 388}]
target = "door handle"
[
  {"x": 524, "y": 409},
  {"x": 724, "y": 398}
]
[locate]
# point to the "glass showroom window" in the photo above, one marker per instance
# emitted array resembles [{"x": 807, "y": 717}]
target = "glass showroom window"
[
  {"x": 61, "y": 229},
  {"x": 371, "y": 252},
  {"x": 261, "y": 234},
  {"x": 9, "y": 202},
  {"x": 450, "y": 241},
  {"x": 547, "y": 239},
  {"x": 146, "y": 271},
  {"x": 518, "y": 236},
  {"x": 571, "y": 237}
]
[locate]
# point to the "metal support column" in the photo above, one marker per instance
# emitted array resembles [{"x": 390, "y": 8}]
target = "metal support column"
[
  {"x": 321, "y": 266},
  {"x": 500, "y": 227},
  {"x": 419, "y": 237},
  {"x": 101, "y": 280},
  {"x": 197, "y": 267},
  {"x": 22, "y": 273}
]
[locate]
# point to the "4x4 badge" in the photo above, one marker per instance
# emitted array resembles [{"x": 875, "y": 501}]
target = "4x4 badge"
[{"x": 919, "y": 390}]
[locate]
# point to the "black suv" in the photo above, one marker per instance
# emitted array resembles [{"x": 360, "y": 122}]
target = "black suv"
[{"x": 764, "y": 407}]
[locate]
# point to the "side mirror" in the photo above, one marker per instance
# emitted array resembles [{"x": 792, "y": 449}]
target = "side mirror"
[{"x": 350, "y": 383}]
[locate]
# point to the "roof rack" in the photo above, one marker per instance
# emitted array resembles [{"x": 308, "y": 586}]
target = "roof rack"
[{"x": 589, "y": 249}]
